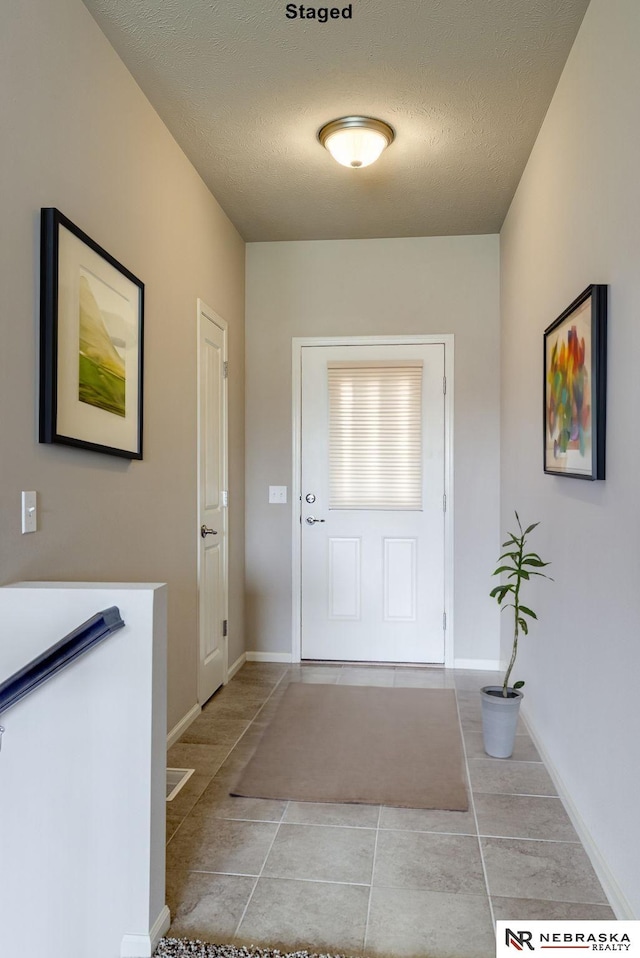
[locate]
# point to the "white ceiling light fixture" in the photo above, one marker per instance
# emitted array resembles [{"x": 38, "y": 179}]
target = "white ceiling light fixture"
[{"x": 356, "y": 141}]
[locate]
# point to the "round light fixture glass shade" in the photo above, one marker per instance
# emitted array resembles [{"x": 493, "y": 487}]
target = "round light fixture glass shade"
[{"x": 356, "y": 141}]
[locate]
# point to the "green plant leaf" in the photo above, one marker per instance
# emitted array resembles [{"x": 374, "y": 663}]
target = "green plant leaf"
[
  {"x": 531, "y": 528},
  {"x": 518, "y": 685},
  {"x": 501, "y": 590},
  {"x": 523, "y": 625},
  {"x": 508, "y": 555},
  {"x": 527, "y": 611},
  {"x": 510, "y": 542},
  {"x": 503, "y": 568},
  {"x": 499, "y": 593}
]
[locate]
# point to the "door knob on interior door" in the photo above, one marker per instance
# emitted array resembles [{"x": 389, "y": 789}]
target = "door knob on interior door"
[
  {"x": 311, "y": 520},
  {"x": 207, "y": 532}
]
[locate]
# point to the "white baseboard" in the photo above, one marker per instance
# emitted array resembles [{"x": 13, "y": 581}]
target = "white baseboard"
[
  {"x": 237, "y": 665},
  {"x": 269, "y": 657},
  {"x": 178, "y": 730},
  {"x": 478, "y": 665},
  {"x": 143, "y": 946},
  {"x": 617, "y": 899}
]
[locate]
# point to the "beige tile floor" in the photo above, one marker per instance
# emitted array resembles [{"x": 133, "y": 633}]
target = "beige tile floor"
[{"x": 360, "y": 879}]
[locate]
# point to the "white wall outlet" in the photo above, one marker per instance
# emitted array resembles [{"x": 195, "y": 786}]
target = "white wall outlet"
[
  {"x": 278, "y": 494},
  {"x": 29, "y": 512}
]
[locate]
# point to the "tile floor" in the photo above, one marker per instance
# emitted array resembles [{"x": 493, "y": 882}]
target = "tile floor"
[{"x": 360, "y": 879}]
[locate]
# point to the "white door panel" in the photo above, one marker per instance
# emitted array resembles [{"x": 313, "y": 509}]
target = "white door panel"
[
  {"x": 212, "y": 513},
  {"x": 400, "y": 579},
  {"x": 372, "y": 578},
  {"x": 344, "y": 578}
]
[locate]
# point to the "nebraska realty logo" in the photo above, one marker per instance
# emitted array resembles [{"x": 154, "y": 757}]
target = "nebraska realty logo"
[{"x": 560, "y": 936}]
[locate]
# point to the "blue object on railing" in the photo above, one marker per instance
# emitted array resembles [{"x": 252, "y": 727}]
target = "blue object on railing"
[{"x": 63, "y": 653}]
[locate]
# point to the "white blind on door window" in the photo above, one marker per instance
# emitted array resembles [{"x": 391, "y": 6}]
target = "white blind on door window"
[{"x": 375, "y": 435}]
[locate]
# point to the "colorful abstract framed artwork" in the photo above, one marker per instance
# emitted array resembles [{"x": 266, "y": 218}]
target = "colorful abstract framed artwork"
[
  {"x": 575, "y": 388},
  {"x": 91, "y": 337}
]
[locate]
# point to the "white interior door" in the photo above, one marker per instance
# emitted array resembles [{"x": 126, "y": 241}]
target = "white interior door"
[
  {"x": 212, "y": 531},
  {"x": 372, "y": 484}
]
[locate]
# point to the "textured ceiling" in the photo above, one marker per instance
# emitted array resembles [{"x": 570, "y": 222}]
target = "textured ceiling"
[{"x": 465, "y": 84}]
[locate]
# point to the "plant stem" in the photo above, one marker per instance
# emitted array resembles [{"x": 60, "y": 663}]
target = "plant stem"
[
  {"x": 516, "y": 610},
  {"x": 511, "y": 664}
]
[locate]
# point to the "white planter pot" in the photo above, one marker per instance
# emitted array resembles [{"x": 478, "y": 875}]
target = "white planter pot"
[{"x": 499, "y": 720}]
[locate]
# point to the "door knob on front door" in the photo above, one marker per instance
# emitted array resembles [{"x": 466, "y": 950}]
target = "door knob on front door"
[
  {"x": 207, "y": 532},
  {"x": 311, "y": 520}
]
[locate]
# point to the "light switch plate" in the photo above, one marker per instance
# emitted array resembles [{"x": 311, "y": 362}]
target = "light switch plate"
[
  {"x": 278, "y": 495},
  {"x": 29, "y": 512}
]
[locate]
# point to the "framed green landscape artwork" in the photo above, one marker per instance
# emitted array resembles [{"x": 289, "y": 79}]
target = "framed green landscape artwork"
[{"x": 91, "y": 337}]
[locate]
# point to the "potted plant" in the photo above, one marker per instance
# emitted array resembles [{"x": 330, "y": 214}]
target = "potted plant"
[{"x": 501, "y": 703}]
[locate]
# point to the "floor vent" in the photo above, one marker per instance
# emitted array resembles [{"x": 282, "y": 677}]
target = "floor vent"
[{"x": 176, "y": 778}]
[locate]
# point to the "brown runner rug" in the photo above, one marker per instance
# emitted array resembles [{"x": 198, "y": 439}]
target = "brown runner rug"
[{"x": 362, "y": 744}]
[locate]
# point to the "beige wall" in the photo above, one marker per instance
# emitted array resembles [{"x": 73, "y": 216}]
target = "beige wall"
[
  {"x": 575, "y": 220},
  {"x": 77, "y": 133},
  {"x": 360, "y": 287}
]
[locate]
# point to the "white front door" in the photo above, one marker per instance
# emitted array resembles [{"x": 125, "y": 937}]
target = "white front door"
[
  {"x": 212, "y": 528},
  {"x": 372, "y": 491}
]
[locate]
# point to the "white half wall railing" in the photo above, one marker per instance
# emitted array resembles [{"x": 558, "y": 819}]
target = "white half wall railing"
[{"x": 82, "y": 769}]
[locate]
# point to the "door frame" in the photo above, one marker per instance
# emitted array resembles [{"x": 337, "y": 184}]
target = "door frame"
[
  {"x": 205, "y": 312},
  {"x": 298, "y": 343}
]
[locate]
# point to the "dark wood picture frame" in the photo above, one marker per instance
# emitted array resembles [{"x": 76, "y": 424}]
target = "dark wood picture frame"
[
  {"x": 91, "y": 343},
  {"x": 575, "y": 388}
]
